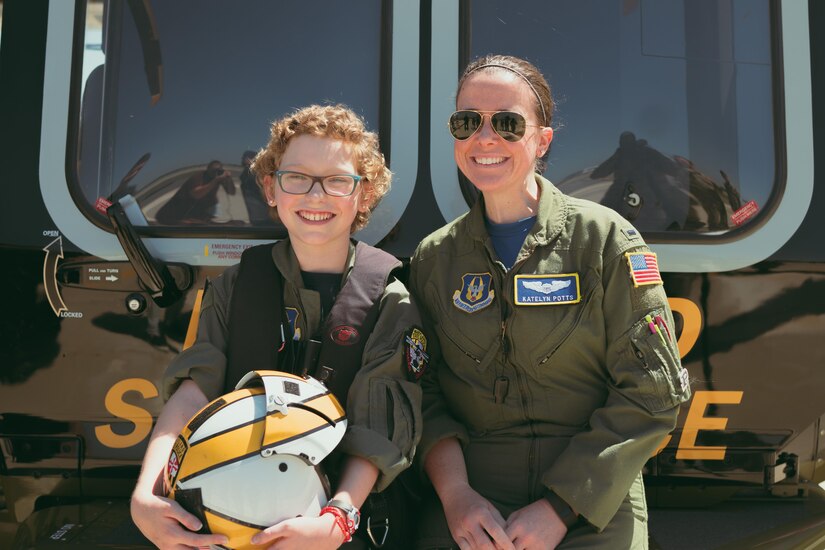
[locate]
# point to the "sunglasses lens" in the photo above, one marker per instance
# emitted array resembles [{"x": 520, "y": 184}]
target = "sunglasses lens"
[
  {"x": 463, "y": 124},
  {"x": 510, "y": 126}
]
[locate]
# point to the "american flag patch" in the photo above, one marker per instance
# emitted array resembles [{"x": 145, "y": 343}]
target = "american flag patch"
[{"x": 644, "y": 269}]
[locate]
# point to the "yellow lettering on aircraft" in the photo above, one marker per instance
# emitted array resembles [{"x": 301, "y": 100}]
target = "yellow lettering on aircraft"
[
  {"x": 691, "y": 325},
  {"x": 696, "y": 420},
  {"x": 140, "y": 417}
]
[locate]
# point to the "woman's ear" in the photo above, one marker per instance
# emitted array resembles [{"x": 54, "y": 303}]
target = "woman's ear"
[
  {"x": 545, "y": 137},
  {"x": 269, "y": 190}
]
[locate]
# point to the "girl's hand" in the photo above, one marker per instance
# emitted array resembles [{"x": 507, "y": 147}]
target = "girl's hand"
[
  {"x": 301, "y": 533},
  {"x": 168, "y": 525}
]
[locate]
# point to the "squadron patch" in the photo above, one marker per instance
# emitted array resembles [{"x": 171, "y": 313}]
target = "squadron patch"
[
  {"x": 475, "y": 292},
  {"x": 292, "y": 317},
  {"x": 644, "y": 269},
  {"x": 415, "y": 350},
  {"x": 547, "y": 290}
]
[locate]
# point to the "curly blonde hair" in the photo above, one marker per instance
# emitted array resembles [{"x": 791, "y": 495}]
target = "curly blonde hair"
[{"x": 336, "y": 122}]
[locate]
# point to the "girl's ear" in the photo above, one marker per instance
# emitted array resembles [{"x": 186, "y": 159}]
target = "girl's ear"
[{"x": 269, "y": 190}]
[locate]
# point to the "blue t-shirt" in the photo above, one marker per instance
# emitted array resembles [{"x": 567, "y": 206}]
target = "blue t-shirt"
[{"x": 508, "y": 237}]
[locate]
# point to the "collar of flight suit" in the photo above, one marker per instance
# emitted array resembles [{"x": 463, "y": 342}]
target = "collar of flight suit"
[
  {"x": 551, "y": 218},
  {"x": 287, "y": 263}
]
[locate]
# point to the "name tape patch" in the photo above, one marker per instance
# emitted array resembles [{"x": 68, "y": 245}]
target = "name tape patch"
[{"x": 547, "y": 290}]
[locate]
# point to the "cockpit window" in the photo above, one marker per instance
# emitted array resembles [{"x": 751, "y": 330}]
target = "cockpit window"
[
  {"x": 665, "y": 110},
  {"x": 177, "y": 97}
]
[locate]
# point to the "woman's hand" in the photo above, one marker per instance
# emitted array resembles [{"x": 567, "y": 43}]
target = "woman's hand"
[
  {"x": 301, "y": 533},
  {"x": 474, "y": 522},
  {"x": 535, "y": 526},
  {"x": 168, "y": 525}
]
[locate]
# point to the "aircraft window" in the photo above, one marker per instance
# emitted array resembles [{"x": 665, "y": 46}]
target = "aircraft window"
[
  {"x": 177, "y": 96},
  {"x": 665, "y": 110}
]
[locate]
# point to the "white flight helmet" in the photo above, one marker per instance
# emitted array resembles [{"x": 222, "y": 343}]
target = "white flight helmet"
[{"x": 250, "y": 458}]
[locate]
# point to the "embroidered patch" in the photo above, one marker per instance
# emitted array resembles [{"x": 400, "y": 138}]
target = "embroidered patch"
[
  {"x": 175, "y": 458},
  {"x": 644, "y": 269},
  {"x": 292, "y": 317},
  {"x": 547, "y": 290},
  {"x": 415, "y": 350},
  {"x": 345, "y": 335},
  {"x": 631, "y": 234},
  {"x": 475, "y": 293}
]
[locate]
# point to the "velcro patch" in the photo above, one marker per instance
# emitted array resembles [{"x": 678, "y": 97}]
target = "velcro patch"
[
  {"x": 547, "y": 290},
  {"x": 415, "y": 352},
  {"x": 475, "y": 292},
  {"x": 631, "y": 234},
  {"x": 644, "y": 268}
]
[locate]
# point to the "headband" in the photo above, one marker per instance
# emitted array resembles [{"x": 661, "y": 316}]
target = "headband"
[{"x": 512, "y": 70}]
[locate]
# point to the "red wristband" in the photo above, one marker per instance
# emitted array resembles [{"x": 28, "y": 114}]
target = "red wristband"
[{"x": 347, "y": 527}]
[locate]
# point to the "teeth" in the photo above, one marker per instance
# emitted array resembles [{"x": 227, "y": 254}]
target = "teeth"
[
  {"x": 315, "y": 216},
  {"x": 489, "y": 160}
]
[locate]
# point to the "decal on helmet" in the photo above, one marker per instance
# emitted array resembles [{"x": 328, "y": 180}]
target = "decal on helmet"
[
  {"x": 175, "y": 458},
  {"x": 644, "y": 268},
  {"x": 292, "y": 388},
  {"x": 345, "y": 335},
  {"x": 475, "y": 293}
]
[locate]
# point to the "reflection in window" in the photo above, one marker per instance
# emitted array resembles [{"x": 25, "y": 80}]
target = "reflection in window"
[
  {"x": 177, "y": 97},
  {"x": 664, "y": 108}
]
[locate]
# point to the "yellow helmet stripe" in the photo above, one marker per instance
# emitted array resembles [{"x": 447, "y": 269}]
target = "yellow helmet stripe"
[{"x": 246, "y": 441}]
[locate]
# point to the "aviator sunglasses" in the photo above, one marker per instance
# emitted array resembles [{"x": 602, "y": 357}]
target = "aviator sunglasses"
[{"x": 507, "y": 124}]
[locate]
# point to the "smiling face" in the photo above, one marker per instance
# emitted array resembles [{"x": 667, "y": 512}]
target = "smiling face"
[
  {"x": 496, "y": 166},
  {"x": 316, "y": 221}
]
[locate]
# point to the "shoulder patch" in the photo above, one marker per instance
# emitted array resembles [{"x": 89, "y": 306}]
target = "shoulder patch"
[
  {"x": 415, "y": 352},
  {"x": 547, "y": 290},
  {"x": 475, "y": 292},
  {"x": 644, "y": 268}
]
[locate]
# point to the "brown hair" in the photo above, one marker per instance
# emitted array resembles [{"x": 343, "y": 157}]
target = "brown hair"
[
  {"x": 336, "y": 122},
  {"x": 530, "y": 74}
]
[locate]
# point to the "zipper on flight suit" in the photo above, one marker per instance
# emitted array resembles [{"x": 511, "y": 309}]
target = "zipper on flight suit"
[
  {"x": 568, "y": 333},
  {"x": 506, "y": 292},
  {"x": 505, "y": 346},
  {"x": 464, "y": 351}
]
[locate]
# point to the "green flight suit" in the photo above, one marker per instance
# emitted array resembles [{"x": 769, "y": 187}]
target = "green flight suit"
[
  {"x": 383, "y": 403},
  {"x": 573, "y": 395}
]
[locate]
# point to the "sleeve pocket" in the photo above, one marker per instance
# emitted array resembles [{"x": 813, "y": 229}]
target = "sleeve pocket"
[
  {"x": 393, "y": 413},
  {"x": 664, "y": 382}
]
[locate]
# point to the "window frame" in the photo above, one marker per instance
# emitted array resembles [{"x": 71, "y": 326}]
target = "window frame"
[
  {"x": 89, "y": 229},
  {"x": 680, "y": 251}
]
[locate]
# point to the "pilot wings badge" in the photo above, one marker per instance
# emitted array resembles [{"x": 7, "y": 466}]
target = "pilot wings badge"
[{"x": 547, "y": 290}]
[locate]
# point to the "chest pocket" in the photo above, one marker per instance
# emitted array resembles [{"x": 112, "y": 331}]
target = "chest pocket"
[
  {"x": 554, "y": 324},
  {"x": 465, "y": 336}
]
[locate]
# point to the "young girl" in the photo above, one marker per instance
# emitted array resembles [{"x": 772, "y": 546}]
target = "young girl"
[{"x": 322, "y": 174}]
